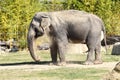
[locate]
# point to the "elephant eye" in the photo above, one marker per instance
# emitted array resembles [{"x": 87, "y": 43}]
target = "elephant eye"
[{"x": 37, "y": 19}]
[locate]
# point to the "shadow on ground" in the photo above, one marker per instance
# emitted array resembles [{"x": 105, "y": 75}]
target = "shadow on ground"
[
  {"x": 24, "y": 63},
  {"x": 38, "y": 63},
  {"x": 75, "y": 62}
]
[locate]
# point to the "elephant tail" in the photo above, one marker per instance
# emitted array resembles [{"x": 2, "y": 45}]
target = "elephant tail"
[{"x": 104, "y": 33}]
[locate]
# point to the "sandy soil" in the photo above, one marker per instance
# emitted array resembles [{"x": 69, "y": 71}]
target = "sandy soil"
[{"x": 46, "y": 66}]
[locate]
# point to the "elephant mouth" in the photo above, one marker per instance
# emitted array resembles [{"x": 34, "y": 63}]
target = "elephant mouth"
[{"x": 39, "y": 32}]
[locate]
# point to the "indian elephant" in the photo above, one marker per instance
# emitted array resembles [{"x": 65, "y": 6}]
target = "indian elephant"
[{"x": 67, "y": 26}]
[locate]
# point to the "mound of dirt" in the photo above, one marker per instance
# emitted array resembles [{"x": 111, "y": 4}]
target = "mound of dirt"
[{"x": 114, "y": 74}]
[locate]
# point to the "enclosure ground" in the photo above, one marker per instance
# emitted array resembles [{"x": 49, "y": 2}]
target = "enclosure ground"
[
  {"x": 20, "y": 66},
  {"x": 46, "y": 66}
]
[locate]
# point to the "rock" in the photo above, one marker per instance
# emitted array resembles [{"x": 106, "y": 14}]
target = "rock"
[
  {"x": 117, "y": 68},
  {"x": 77, "y": 48},
  {"x": 14, "y": 49},
  {"x": 116, "y": 49},
  {"x": 114, "y": 74},
  {"x": 80, "y": 48},
  {"x": 2, "y": 50},
  {"x": 110, "y": 40},
  {"x": 44, "y": 46}
]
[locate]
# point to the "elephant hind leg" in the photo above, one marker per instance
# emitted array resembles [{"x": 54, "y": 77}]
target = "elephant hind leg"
[
  {"x": 91, "y": 44},
  {"x": 90, "y": 60},
  {"x": 90, "y": 55},
  {"x": 98, "y": 56}
]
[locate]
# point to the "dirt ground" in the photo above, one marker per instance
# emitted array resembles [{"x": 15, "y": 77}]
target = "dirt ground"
[{"x": 46, "y": 66}]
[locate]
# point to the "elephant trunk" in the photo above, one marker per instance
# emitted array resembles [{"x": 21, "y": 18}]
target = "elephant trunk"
[{"x": 31, "y": 44}]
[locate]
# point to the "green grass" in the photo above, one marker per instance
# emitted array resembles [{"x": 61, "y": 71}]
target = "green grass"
[
  {"x": 45, "y": 56},
  {"x": 24, "y": 57},
  {"x": 74, "y": 73},
  {"x": 62, "y": 73},
  {"x": 56, "y": 74},
  {"x": 14, "y": 57}
]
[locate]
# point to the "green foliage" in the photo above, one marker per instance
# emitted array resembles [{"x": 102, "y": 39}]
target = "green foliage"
[{"x": 15, "y": 15}]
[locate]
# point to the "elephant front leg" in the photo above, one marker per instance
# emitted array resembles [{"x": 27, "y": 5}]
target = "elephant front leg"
[
  {"x": 61, "y": 53},
  {"x": 53, "y": 51}
]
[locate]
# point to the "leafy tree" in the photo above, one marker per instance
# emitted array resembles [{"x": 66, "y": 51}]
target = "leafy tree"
[{"x": 15, "y": 15}]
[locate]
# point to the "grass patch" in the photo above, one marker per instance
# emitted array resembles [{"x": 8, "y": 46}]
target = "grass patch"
[
  {"x": 56, "y": 74},
  {"x": 74, "y": 73},
  {"x": 15, "y": 57},
  {"x": 24, "y": 56},
  {"x": 63, "y": 73}
]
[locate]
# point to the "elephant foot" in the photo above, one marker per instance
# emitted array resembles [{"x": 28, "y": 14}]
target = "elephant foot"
[
  {"x": 88, "y": 63},
  {"x": 61, "y": 63},
  {"x": 53, "y": 63},
  {"x": 98, "y": 62},
  {"x": 58, "y": 63}
]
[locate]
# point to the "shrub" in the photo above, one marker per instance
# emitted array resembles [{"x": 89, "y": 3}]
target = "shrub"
[{"x": 15, "y": 15}]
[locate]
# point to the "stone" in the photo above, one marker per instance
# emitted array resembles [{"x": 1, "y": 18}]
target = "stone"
[
  {"x": 77, "y": 48},
  {"x": 116, "y": 49},
  {"x": 44, "y": 46},
  {"x": 2, "y": 50},
  {"x": 114, "y": 74}
]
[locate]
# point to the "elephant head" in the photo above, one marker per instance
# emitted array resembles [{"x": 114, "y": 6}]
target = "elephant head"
[{"x": 37, "y": 28}]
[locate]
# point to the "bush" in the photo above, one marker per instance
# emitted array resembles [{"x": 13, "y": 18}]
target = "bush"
[{"x": 15, "y": 15}]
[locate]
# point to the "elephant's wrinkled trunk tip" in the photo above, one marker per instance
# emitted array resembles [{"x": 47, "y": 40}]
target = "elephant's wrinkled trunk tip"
[
  {"x": 31, "y": 47},
  {"x": 36, "y": 59}
]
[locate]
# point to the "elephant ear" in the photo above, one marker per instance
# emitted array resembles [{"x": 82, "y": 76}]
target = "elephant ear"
[{"x": 45, "y": 22}]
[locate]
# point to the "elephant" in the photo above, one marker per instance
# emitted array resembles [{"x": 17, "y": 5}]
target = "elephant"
[{"x": 67, "y": 26}]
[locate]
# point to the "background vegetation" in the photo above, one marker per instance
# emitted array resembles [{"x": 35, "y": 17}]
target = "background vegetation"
[{"x": 15, "y": 15}]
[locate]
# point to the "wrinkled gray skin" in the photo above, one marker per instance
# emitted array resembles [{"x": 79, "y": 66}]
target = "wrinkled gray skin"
[{"x": 67, "y": 26}]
